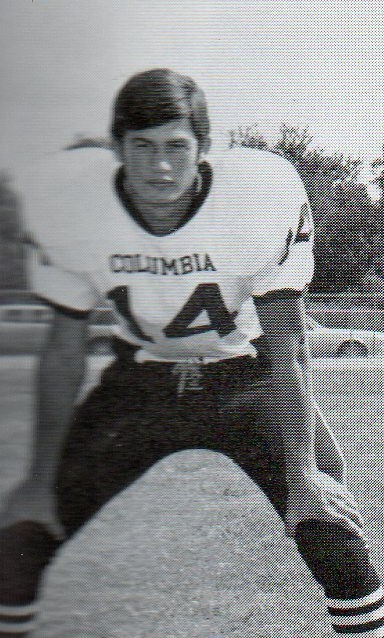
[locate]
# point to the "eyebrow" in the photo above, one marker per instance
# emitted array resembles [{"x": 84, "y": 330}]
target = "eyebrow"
[
  {"x": 138, "y": 138},
  {"x": 178, "y": 138}
]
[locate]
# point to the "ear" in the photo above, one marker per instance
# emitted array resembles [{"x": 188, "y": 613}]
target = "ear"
[{"x": 204, "y": 149}]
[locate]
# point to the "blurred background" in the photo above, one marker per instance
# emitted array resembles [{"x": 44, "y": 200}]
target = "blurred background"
[
  {"x": 203, "y": 554},
  {"x": 303, "y": 79}
]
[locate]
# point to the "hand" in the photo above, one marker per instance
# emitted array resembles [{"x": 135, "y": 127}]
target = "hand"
[
  {"x": 30, "y": 501},
  {"x": 316, "y": 495}
]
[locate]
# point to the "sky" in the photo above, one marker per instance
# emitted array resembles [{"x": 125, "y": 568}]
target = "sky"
[{"x": 312, "y": 63}]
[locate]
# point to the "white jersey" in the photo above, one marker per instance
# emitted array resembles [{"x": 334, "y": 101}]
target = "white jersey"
[{"x": 186, "y": 294}]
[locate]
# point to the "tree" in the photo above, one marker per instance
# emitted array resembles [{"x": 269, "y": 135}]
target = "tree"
[
  {"x": 346, "y": 219},
  {"x": 248, "y": 136},
  {"x": 12, "y": 265},
  {"x": 378, "y": 171}
]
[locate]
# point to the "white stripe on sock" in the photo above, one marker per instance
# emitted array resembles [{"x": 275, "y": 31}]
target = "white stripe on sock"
[
  {"x": 361, "y": 618},
  {"x": 372, "y": 633},
  {"x": 18, "y": 610},
  {"x": 17, "y": 628},
  {"x": 357, "y": 602}
]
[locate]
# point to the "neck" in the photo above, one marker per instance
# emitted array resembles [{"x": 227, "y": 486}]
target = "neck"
[{"x": 164, "y": 218}]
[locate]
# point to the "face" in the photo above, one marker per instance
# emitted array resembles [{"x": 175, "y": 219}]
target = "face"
[{"x": 160, "y": 162}]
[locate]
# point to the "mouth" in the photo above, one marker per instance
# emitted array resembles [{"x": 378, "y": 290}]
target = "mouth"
[{"x": 161, "y": 183}]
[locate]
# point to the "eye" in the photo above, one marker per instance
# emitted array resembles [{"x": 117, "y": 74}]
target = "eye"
[
  {"x": 141, "y": 144},
  {"x": 176, "y": 144}
]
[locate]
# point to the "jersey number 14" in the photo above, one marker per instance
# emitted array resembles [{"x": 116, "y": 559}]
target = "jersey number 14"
[{"x": 205, "y": 297}]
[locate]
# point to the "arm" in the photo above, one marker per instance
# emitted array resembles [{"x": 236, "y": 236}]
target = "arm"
[
  {"x": 282, "y": 322},
  {"x": 328, "y": 455},
  {"x": 59, "y": 376},
  {"x": 60, "y": 373},
  {"x": 311, "y": 493}
]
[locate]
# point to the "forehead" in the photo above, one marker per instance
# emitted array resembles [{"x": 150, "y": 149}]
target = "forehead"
[{"x": 175, "y": 129}]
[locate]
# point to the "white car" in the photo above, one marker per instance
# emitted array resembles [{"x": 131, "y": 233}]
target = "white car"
[
  {"x": 23, "y": 327},
  {"x": 323, "y": 341},
  {"x": 343, "y": 342}
]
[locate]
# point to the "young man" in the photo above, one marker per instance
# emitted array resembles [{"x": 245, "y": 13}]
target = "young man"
[{"x": 205, "y": 265}]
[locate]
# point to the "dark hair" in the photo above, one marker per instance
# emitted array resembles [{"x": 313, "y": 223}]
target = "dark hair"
[{"x": 155, "y": 97}]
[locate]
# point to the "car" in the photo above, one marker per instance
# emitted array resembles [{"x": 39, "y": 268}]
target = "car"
[
  {"x": 342, "y": 342},
  {"x": 100, "y": 331},
  {"x": 23, "y": 328}
]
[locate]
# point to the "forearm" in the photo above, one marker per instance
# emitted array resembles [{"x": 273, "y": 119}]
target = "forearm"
[
  {"x": 59, "y": 377},
  {"x": 329, "y": 457},
  {"x": 294, "y": 416}
]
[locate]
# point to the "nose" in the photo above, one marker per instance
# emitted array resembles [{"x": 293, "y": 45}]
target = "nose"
[{"x": 160, "y": 161}]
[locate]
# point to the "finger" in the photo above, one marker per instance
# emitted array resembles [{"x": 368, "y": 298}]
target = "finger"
[
  {"x": 349, "y": 512},
  {"x": 352, "y": 505},
  {"x": 353, "y": 516},
  {"x": 348, "y": 500},
  {"x": 344, "y": 495},
  {"x": 356, "y": 518}
]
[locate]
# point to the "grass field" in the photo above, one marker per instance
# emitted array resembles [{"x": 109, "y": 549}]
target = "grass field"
[{"x": 193, "y": 549}]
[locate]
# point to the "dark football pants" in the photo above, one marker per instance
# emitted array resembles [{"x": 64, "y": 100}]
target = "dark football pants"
[{"x": 136, "y": 417}]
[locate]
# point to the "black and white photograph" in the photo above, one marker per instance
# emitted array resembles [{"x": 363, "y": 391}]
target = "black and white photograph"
[{"x": 191, "y": 319}]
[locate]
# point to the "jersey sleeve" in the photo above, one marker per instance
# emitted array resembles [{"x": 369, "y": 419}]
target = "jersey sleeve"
[
  {"x": 55, "y": 283},
  {"x": 57, "y": 229},
  {"x": 291, "y": 270}
]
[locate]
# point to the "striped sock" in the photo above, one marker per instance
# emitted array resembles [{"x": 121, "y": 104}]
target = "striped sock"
[
  {"x": 17, "y": 620},
  {"x": 25, "y": 550},
  {"x": 359, "y": 617}
]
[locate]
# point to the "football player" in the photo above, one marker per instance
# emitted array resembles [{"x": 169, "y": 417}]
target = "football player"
[{"x": 205, "y": 263}]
